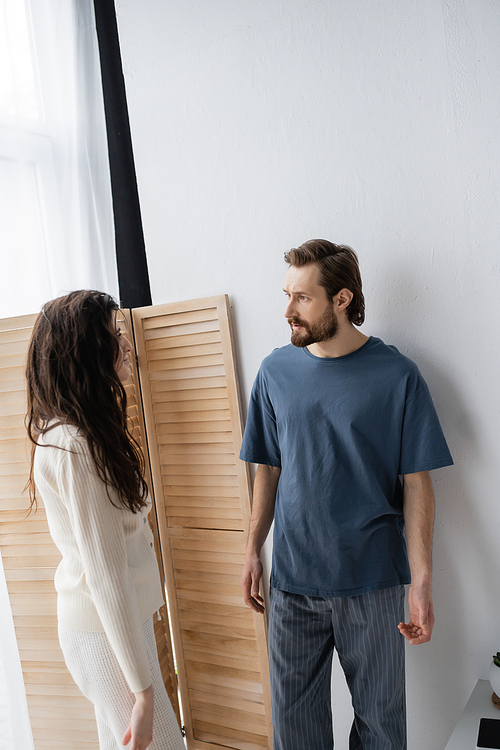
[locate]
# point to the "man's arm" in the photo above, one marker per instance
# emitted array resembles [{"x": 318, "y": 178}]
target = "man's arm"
[
  {"x": 264, "y": 498},
  {"x": 418, "y": 511}
]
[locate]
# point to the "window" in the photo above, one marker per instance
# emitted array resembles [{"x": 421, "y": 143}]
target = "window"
[{"x": 56, "y": 217}]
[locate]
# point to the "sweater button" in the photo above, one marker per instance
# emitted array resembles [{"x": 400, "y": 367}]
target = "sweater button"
[{"x": 151, "y": 544}]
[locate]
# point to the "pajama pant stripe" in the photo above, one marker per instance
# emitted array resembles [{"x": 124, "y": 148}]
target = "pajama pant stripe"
[
  {"x": 303, "y": 632},
  {"x": 95, "y": 669}
]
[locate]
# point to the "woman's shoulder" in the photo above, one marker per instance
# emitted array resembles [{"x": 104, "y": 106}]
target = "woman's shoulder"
[
  {"x": 63, "y": 435},
  {"x": 63, "y": 448}
]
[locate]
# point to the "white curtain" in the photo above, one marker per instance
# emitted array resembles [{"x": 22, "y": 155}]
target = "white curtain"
[
  {"x": 56, "y": 220},
  {"x": 15, "y": 729}
]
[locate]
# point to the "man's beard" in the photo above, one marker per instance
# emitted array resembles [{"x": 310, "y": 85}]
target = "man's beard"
[{"x": 323, "y": 329}]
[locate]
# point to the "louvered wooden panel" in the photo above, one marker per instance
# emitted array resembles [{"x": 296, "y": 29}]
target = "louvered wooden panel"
[
  {"x": 193, "y": 422},
  {"x": 60, "y": 716},
  {"x": 161, "y": 626}
]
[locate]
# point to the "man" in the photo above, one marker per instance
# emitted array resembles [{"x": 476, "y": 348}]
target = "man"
[{"x": 335, "y": 419}]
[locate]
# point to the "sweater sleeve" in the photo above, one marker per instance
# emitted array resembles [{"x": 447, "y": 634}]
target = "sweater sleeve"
[{"x": 98, "y": 527}]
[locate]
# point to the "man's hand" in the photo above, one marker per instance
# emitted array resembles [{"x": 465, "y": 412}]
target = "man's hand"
[
  {"x": 250, "y": 579},
  {"x": 419, "y": 629}
]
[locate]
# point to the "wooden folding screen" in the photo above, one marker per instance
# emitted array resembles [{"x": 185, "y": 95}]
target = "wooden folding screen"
[
  {"x": 161, "y": 626},
  {"x": 193, "y": 423},
  {"x": 201, "y": 508}
]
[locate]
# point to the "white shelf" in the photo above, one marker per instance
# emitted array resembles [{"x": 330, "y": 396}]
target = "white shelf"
[{"x": 464, "y": 735}]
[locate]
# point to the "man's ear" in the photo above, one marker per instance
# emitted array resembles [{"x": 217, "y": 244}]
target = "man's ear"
[{"x": 342, "y": 300}]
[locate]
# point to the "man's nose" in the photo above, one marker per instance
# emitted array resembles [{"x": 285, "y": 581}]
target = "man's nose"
[{"x": 290, "y": 310}]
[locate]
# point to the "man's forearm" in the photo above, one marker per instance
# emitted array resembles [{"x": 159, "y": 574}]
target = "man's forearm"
[
  {"x": 264, "y": 498},
  {"x": 418, "y": 509}
]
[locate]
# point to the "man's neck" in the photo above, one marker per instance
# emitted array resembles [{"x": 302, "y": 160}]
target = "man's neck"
[{"x": 347, "y": 340}]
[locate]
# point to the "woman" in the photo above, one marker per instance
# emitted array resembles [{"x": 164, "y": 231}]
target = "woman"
[{"x": 89, "y": 473}]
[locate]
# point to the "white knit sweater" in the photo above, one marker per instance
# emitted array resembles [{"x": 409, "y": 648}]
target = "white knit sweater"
[{"x": 108, "y": 578}]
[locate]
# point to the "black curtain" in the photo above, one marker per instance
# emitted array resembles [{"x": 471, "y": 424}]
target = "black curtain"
[{"x": 131, "y": 260}]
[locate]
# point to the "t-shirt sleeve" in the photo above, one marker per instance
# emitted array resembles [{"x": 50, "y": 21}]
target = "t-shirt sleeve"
[
  {"x": 260, "y": 441},
  {"x": 98, "y": 528},
  {"x": 423, "y": 445}
]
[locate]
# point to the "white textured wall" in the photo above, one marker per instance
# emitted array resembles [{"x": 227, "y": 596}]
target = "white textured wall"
[{"x": 259, "y": 125}]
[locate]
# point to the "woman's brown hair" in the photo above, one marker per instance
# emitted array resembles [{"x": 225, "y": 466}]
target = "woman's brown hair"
[
  {"x": 72, "y": 379},
  {"x": 338, "y": 269}
]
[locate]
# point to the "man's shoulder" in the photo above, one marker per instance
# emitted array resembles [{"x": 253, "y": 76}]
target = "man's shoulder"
[
  {"x": 280, "y": 356},
  {"x": 390, "y": 354},
  {"x": 398, "y": 372},
  {"x": 280, "y": 365}
]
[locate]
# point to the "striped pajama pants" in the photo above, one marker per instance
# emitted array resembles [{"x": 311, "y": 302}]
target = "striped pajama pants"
[{"x": 303, "y": 631}]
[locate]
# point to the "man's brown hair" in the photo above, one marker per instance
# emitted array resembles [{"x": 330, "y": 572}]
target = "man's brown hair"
[{"x": 338, "y": 269}]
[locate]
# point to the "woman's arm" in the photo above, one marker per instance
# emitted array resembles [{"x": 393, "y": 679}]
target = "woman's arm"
[
  {"x": 98, "y": 527},
  {"x": 140, "y": 729}
]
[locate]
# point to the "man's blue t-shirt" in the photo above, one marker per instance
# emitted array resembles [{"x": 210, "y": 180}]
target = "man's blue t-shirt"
[{"x": 342, "y": 430}]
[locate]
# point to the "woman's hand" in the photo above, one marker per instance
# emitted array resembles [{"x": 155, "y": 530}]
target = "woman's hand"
[{"x": 140, "y": 729}]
